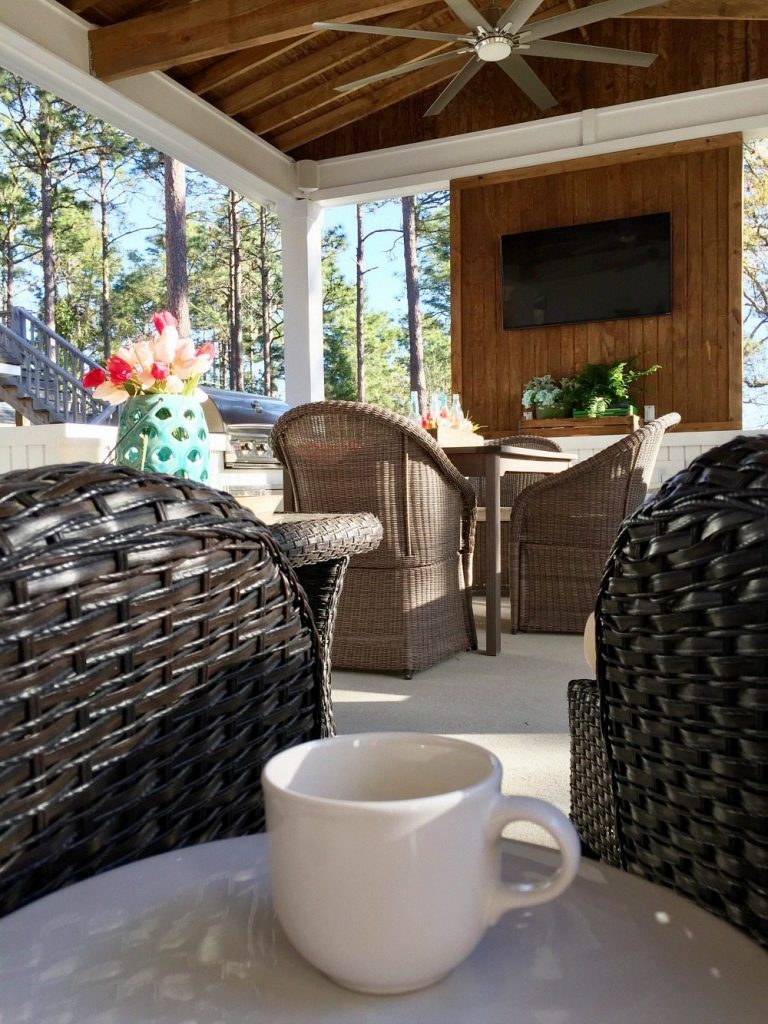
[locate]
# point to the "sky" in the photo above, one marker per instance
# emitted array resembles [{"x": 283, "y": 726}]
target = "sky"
[{"x": 384, "y": 280}]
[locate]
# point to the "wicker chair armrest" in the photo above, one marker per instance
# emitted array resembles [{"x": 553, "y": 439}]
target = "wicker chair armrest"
[
  {"x": 317, "y": 537},
  {"x": 593, "y": 809}
]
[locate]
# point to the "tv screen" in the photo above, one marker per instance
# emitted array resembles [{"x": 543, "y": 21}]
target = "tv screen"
[{"x": 609, "y": 270}]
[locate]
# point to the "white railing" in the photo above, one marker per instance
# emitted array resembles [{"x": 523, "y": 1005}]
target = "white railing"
[{"x": 51, "y": 368}]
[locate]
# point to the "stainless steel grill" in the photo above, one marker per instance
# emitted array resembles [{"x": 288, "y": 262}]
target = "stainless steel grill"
[{"x": 247, "y": 422}]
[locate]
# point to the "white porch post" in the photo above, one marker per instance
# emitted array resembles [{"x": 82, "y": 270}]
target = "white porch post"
[{"x": 301, "y": 224}]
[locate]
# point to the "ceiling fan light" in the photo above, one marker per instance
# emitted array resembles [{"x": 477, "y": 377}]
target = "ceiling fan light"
[{"x": 493, "y": 48}]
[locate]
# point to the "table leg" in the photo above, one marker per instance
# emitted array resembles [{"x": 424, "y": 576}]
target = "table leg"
[
  {"x": 289, "y": 505},
  {"x": 322, "y": 583},
  {"x": 493, "y": 549}
]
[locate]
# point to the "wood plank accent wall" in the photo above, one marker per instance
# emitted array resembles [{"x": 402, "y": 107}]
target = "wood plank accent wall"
[{"x": 698, "y": 345}]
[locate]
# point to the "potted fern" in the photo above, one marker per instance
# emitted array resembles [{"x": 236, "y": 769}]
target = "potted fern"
[{"x": 602, "y": 389}]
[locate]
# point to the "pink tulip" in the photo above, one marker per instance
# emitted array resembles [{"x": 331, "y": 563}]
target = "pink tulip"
[
  {"x": 166, "y": 344},
  {"x": 144, "y": 354},
  {"x": 108, "y": 392},
  {"x": 163, "y": 320},
  {"x": 126, "y": 352},
  {"x": 160, "y": 371}
]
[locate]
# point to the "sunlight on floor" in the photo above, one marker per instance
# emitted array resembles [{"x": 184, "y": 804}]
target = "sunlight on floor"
[
  {"x": 515, "y": 705},
  {"x": 341, "y": 696}
]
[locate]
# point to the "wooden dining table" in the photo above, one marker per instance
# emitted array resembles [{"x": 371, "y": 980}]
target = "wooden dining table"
[{"x": 492, "y": 461}]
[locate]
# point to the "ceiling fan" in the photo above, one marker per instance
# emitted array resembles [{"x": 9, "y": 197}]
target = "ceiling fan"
[{"x": 503, "y": 42}]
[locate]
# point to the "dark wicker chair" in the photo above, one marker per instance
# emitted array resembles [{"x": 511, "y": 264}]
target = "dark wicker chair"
[
  {"x": 669, "y": 747},
  {"x": 512, "y": 485},
  {"x": 406, "y": 605},
  {"x": 155, "y": 651},
  {"x": 562, "y": 528}
]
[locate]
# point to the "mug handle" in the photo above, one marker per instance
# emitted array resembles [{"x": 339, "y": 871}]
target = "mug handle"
[{"x": 507, "y": 809}]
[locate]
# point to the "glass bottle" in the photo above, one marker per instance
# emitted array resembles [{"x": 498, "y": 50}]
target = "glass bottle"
[
  {"x": 413, "y": 407},
  {"x": 455, "y": 414}
]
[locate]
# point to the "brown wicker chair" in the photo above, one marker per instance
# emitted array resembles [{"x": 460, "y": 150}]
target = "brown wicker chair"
[
  {"x": 512, "y": 484},
  {"x": 406, "y": 605},
  {"x": 669, "y": 748},
  {"x": 155, "y": 651},
  {"x": 562, "y": 528}
]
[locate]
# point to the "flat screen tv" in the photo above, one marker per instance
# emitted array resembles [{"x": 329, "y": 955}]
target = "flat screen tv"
[{"x": 609, "y": 270}]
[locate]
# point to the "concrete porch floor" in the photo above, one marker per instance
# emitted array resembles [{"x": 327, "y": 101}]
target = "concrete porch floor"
[{"x": 515, "y": 705}]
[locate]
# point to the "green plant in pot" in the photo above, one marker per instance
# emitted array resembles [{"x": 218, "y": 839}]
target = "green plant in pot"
[
  {"x": 603, "y": 388},
  {"x": 547, "y": 396}
]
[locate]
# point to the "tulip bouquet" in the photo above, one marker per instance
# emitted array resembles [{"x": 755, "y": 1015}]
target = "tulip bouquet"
[{"x": 161, "y": 365}]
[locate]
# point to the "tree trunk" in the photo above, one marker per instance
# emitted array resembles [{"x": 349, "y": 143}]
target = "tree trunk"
[
  {"x": 266, "y": 302},
  {"x": 10, "y": 237},
  {"x": 360, "y": 307},
  {"x": 415, "y": 338},
  {"x": 236, "y": 379},
  {"x": 176, "y": 243},
  {"x": 106, "y": 303},
  {"x": 46, "y": 215}
]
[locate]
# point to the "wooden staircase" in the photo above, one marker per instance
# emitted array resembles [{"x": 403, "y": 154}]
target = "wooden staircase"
[{"x": 47, "y": 388}]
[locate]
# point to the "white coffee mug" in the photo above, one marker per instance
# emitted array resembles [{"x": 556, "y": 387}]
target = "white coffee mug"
[{"x": 386, "y": 854}]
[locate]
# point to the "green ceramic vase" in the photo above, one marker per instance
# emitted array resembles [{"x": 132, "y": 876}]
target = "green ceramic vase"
[{"x": 164, "y": 434}]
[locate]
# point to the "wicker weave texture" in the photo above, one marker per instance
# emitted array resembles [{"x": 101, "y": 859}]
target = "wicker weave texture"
[
  {"x": 319, "y": 548},
  {"x": 155, "y": 651},
  {"x": 682, "y": 628},
  {"x": 406, "y": 605},
  {"x": 593, "y": 808},
  {"x": 562, "y": 528},
  {"x": 512, "y": 485}
]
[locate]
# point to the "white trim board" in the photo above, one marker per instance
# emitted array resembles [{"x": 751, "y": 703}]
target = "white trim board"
[
  {"x": 426, "y": 166},
  {"x": 48, "y": 45}
]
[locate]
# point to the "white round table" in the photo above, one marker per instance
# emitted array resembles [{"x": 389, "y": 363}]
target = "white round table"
[{"x": 190, "y": 937}]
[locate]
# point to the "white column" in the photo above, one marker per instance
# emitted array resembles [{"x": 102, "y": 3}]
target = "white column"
[{"x": 301, "y": 223}]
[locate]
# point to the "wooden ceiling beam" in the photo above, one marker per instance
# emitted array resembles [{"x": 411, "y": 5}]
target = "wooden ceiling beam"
[
  {"x": 714, "y": 10},
  {"x": 277, "y": 114},
  {"x": 79, "y": 6},
  {"x": 343, "y": 49},
  {"x": 366, "y": 101},
  {"x": 225, "y": 71},
  {"x": 82, "y": 6},
  {"x": 683, "y": 10},
  {"x": 153, "y": 42}
]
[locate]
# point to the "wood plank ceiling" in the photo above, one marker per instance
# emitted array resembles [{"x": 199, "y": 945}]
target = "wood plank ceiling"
[{"x": 262, "y": 63}]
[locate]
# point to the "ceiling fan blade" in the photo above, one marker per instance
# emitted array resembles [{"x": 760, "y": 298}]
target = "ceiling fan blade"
[
  {"x": 585, "y": 16},
  {"x": 455, "y": 85},
  {"x": 380, "y": 30},
  {"x": 527, "y": 79},
  {"x": 598, "y": 54},
  {"x": 518, "y": 13},
  {"x": 471, "y": 17},
  {"x": 399, "y": 70}
]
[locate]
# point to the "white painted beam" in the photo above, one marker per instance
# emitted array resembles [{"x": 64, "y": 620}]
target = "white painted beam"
[
  {"x": 432, "y": 165},
  {"x": 301, "y": 223},
  {"x": 48, "y": 45}
]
